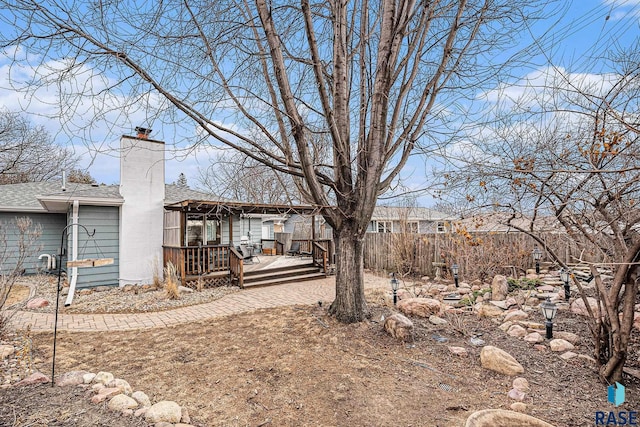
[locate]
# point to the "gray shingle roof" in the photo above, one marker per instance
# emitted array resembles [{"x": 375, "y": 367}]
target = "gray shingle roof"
[{"x": 24, "y": 197}]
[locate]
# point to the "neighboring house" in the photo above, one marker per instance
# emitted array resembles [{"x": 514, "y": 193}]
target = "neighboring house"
[{"x": 393, "y": 219}]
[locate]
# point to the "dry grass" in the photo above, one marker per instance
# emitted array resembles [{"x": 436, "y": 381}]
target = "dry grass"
[{"x": 171, "y": 281}]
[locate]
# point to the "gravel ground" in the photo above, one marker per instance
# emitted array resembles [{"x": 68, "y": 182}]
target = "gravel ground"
[{"x": 128, "y": 299}]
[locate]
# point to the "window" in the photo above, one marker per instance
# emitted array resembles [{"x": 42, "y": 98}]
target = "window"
[
  {"x": 412, "y": 227},
  {"x": 441, "y": 227},
  {"x": 384, "y": 226},
  {"x": 201, "y": 231}
]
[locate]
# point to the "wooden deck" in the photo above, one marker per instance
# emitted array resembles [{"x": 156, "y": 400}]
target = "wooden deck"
[{"x": 268, "y": 262}]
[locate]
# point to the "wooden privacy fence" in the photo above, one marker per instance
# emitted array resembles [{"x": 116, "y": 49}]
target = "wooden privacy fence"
[{"x": 479, "y": 255}]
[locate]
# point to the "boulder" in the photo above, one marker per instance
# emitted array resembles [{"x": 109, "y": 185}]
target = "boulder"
[
  {"x": 503, "y": 418},
  {"x": 141, "y": 398},
  {"x": 71, "y": 378},
  {"x": 35, "y": 378},
  {"x": 499, "y": 288},
  {"x": 104, "y": 394},
  {"x": 560, "y": 345},
  {"x": 516, "y": 331},
  {"x": 435, "y": 320},
  {"x": 399, "y": 327},
  {"x": 103, "y": 377},
  {"x": 500, "y": 361},
  {"x": 578, "y": 306},
  {"x": 164, "y": 411},
  {"x": 88, "y": 377},
  {"x": 568, "y": 336},
  {"x": 489, "y": 310},
  {"x": 421, "y": 307},
  {"x": 37, "y": 303},
  {"x": 121, "y": 402},
  {"x": 533, "y": 337},
  {"x": 515, "y": 315},
  {"x": 122, "y": 385}
]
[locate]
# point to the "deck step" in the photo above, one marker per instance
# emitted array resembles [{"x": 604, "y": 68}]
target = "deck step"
[
  {"x": 279, "y": 273},
  {"x": 282, "y": 280}
]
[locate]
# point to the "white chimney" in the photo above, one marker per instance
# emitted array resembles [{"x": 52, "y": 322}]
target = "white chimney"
[{"x": 142, "y": 214}]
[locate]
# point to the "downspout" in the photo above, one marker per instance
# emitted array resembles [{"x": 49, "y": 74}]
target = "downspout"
[{"x": 74, "y": 252}]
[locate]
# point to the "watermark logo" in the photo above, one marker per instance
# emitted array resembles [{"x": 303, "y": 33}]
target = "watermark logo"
[{"x": 616, "y": 394}]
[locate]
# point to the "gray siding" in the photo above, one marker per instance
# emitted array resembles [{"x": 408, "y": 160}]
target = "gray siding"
[
  {"x": 104, "y": 244},
  {"x": 49, "y": 241}
]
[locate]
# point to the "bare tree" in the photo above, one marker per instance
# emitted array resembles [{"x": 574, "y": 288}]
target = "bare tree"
[
  {"x": 336, "y": 94},
  {"x": 237, "y": 177},
  {"x": 579, "y": 166},
  {"x": 28, "y": 153}
]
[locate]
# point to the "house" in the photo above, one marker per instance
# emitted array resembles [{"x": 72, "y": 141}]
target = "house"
[
  {"x": 394, "y": 219},
  {"x": 141, "y": 223}
]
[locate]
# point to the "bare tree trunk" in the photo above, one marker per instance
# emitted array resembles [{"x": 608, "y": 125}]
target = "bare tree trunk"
[{"x": 350, "y": 305}]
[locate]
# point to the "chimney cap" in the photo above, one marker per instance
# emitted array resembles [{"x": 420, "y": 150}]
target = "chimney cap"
[{"x": 143, "y": 132}]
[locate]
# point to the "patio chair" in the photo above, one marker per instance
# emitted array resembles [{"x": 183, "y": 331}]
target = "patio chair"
[{"x": 294, "y": 249}]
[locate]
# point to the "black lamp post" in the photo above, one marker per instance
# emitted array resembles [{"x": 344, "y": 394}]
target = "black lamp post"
[
  {"x": 454, "y": 270},
  {"x": 394, "y": 286},
  {"x": 549, "y": 310},
  {"x": 565, "y": 275},
  {"x": 537, "y": 256}
]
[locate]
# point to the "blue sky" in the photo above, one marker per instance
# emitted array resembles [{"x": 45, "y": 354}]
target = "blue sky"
[{"x": 587, "y": 28}]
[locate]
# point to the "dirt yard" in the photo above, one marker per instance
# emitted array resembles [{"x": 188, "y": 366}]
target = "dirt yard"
[{"x": 297, "y": 366}]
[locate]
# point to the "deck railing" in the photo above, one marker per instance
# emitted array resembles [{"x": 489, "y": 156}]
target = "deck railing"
[
  {"x": 197, "y": 260},
  {"x": 236, "y": 266},
  {"x": 319, "y": 255}
]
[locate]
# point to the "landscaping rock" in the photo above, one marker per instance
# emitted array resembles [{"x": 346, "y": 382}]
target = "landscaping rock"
[
  {"x": 489, "y": 310},
  {"x": 121, "y": 402},
  {"x": 578, "y": 306},
  {"x": 71, "y": 378},
  {"x": 515, "y": 315},
  {"x": 533, "y": 337},
  {"x": 500, "y": 361},
  {"x": 105, "y": 394},
  {"x": 516, "y": 394},
  {"x": 568, "y": 336},
  {"x": 559, "y": 345},
  {"x": 88, "y": 378},
  {"x": 164, "y": 411},
  {"x": 141, "y": 398},
  {"x": 103, "y": 377},
  {"x": 122, "y": 385},
  {"x": 517, "y": 331},
  {"x": 37, "y": 303},
  {"x": 499, "y": 288},
  {"x": 503, "y": 418},
  {"x": 458, "y": 351},
  {"x": 399, "y": 327},
  {"x": 6, "y": 351},
  {"x": 435, "y": 320},
  {"x": 568, "y": 355},
  {"x": 422, "y": 307},
  {"x": 521, "y": 384},
  {"x": 505, "y": 326},
  {"x": 35, "y": 378}
]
